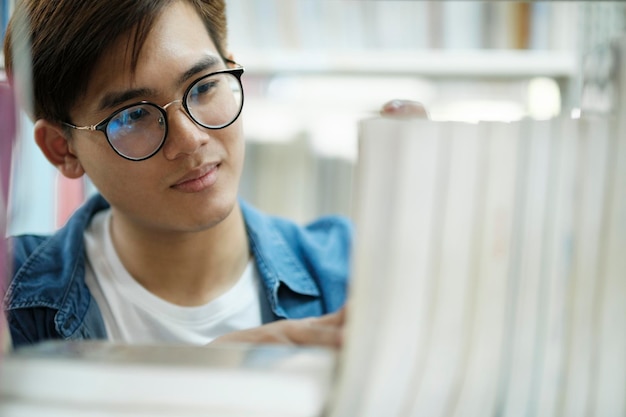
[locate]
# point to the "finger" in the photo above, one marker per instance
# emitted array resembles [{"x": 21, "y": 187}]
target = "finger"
[{"x": 404, "y": 108}]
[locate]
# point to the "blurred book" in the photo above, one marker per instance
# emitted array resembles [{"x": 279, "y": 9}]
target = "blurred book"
[
  {"x": 290, "y": 179},
  {"x": 278, "y": 178},
  {"x": 462, "y": 24},
  {"x": 488, "y": 279},
  {"x": 402, "y": 25},
  {"x": 95, "y": 378},
  {"x": 8, "y": 128}
]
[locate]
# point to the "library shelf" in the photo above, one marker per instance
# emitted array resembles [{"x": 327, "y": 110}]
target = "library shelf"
[{"x": 506, "y": 64}]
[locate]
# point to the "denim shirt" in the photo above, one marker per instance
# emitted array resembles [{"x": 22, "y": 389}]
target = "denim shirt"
[{"x": 304, "y": 272}]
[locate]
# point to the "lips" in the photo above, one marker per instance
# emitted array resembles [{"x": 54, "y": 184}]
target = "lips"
[{"x": 198, "y": 179}]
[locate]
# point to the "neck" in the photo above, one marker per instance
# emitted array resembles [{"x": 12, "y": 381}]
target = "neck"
[{"x": 185, "y": 268}]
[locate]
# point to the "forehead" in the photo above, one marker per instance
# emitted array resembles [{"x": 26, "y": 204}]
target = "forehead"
[{"x": 177, "y": 39}]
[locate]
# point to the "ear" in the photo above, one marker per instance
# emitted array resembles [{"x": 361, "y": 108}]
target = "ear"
[{"x": 57, "y": 149}]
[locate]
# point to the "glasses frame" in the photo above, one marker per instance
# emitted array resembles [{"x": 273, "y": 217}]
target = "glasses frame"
[{"x": 102, "y": 125}]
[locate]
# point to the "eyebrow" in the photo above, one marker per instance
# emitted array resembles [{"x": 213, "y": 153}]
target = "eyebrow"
[
  {"x": 204, "y": 64},
  {"x": 115, "y": 98}
]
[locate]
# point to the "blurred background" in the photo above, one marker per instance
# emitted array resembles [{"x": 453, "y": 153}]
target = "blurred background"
[{"x": 314, "y": 68}]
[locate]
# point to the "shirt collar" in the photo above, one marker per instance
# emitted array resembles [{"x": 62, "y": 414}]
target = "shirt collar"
[{"x": 274, "y": 244}]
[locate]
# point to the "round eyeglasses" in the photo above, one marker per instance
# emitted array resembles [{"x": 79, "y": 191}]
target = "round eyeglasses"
[{"x": 138, "y": 131}]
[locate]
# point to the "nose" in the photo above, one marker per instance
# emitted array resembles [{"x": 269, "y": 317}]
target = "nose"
[{"x": 184, "y": 136}]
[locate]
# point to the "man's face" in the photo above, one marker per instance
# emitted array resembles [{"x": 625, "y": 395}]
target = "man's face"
[{"x": 192, "y": 182}]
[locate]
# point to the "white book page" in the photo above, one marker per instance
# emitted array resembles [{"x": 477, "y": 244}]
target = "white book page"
[
  {"x": 580, "y": 340},
  {"x": 495, "y": 219},
  {"x": 365, "y": 309},
  {"x": 409, "y": 287},
  {"x": 448, "y": 329},
  {"x": 398, "y": 165},
  {"x": 557, "y": 250},
  {"x": 526, "y": 278},
  {"x": 610, "y": 400}
]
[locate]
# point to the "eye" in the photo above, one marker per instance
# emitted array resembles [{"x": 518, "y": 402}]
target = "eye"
[
  {"x": 129, "y": 118},
  {"x": 203, "y": 89},
  {"x": 134, "y": 114}
]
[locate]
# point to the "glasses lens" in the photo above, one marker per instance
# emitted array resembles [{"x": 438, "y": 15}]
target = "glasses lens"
[
  {"x": 137, "y": 132},
  {"x": 216, "y": 100}
]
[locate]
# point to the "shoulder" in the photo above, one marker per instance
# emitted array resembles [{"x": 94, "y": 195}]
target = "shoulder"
[
  {"x": 36, "y": 254},
  {"x": 22, "y": 246},
  {"x": 324, "y": 236},
  {"x": 46, "y": 296},
  {"x": 45, "y": 267},
  {"x": 311, "y": 260}
]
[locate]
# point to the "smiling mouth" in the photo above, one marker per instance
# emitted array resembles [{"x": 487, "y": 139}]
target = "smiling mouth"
[{"x": 198, "y": 180}]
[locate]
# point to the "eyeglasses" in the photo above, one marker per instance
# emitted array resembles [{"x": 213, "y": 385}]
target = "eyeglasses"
[{"x": 138, "y": 131}]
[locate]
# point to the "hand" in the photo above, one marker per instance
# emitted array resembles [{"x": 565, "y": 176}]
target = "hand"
[
  {"x": 326, "y": 330},
  {"x": 404, "y": 108}
]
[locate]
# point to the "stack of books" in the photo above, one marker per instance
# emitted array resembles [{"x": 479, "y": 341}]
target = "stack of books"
[
  {"x": 490, "y": 270},
  {"x": 97, "y": 379},
  {"x": 8, "y": 122}
]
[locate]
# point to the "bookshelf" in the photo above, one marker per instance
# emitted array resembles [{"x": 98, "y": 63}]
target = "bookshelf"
[
  {"x": 476, "y": 60},
  {"x": 434, "y": 64}
]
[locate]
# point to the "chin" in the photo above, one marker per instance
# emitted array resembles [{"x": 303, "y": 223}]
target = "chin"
[{"x": 216, "y": 213}]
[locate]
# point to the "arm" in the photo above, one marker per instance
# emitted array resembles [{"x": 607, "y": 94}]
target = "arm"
[{"x": 326, "y": 330}]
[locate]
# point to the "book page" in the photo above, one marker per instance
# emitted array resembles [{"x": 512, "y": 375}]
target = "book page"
[
  {"x": 495, "y": 227},
  {"x": 381, "y": 301}
]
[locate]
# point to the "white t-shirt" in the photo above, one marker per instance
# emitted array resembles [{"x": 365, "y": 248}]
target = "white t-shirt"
[{"x": 132, "y": 314}]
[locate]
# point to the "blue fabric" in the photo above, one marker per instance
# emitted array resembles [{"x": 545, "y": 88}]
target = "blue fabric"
[{"x": 304, "y": 271}]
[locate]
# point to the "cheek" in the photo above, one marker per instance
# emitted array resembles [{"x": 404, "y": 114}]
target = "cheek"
[
  {"x": 112, "y": 175},
  {"x": 131, "y": 188},
  {"x": 90, "y": 147},
  {"x": 235, "y": 142}
]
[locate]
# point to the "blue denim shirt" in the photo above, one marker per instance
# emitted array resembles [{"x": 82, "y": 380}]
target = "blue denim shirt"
[{"x": 304, "y": 271}]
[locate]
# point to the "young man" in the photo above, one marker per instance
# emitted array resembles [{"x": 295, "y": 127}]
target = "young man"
[
  {"x": 166, "y": 253},
  {"x": 144, "y": 98}
]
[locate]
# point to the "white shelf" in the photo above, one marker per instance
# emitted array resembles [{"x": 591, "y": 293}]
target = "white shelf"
[{"x": 433, "y": 64}]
